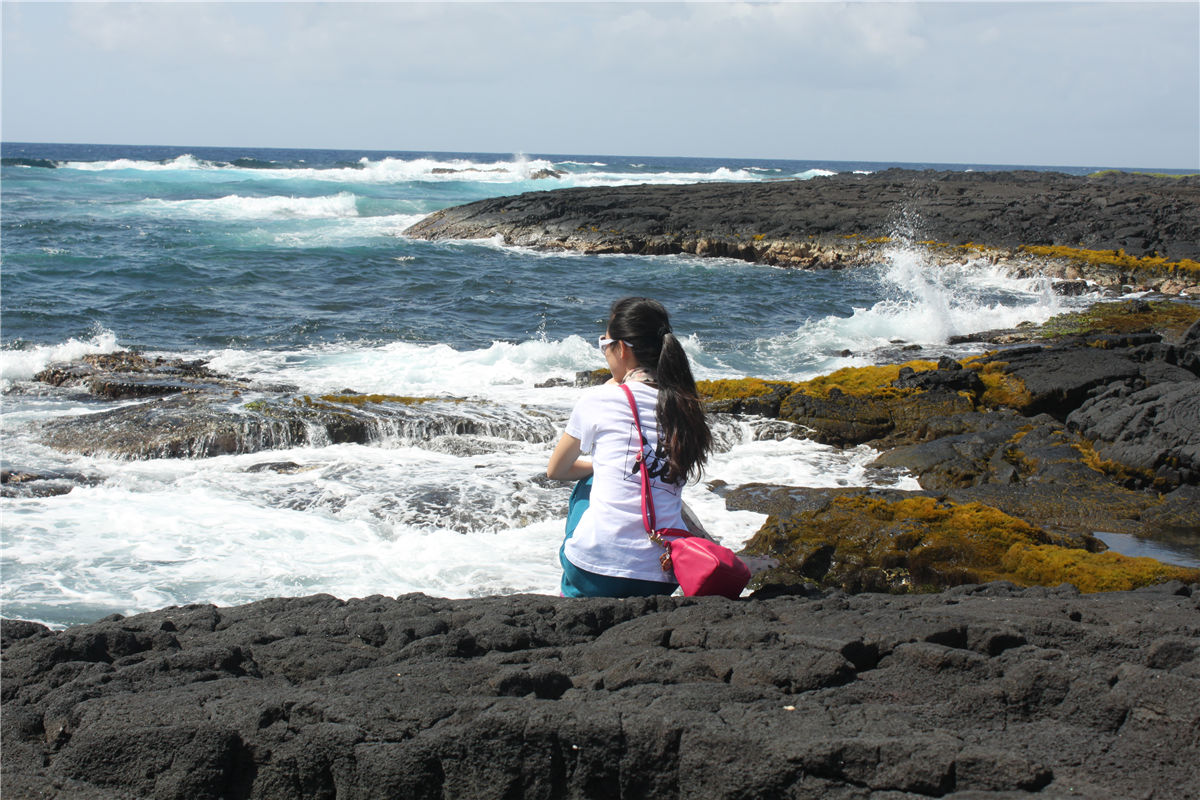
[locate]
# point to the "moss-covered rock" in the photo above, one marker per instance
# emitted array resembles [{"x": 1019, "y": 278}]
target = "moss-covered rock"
[
  {"x": 1167, "y": 318},
  {"x": 1030, "y": 565},
  {"x": 851, "y": 419},
  {"x": 921, "y": 543},
  {"x": 1186, "y": 268},
  {"x": 745, "y": 395},
  {"x": 1000, "y": 389}
]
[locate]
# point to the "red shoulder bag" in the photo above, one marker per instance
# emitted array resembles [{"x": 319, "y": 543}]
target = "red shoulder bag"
[{"x": 701, "y": 566}]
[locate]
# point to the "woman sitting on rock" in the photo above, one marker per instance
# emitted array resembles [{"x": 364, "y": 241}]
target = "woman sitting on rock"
[{"x": 606, "y": 552}]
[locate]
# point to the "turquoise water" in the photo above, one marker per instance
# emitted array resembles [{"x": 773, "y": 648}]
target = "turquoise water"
[{"x": 288, "y": 266}]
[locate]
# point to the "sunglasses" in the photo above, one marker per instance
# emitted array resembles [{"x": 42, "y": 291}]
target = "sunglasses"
[{"x": 605, "y": 342}]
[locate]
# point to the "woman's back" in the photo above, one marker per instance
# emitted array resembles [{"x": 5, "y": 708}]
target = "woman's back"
[{"x": 611, "y": 537}]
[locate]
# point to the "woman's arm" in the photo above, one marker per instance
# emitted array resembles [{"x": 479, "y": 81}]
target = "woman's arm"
[{"x": 565, "y": 463}]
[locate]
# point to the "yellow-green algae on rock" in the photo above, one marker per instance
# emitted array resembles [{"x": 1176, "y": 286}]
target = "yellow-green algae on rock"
[
  {"x": 1166, "y": 317},
  {"x": 1117, "y": 258},
  {"x": 864, "y": 543},
  {"x": 1000, "y": 389},
  {"x": 745, "y": 395},
  {"x": 740, "y": 388},
  {"x": 1046, "y": 565},
  {"x": 873, "y": 381}
]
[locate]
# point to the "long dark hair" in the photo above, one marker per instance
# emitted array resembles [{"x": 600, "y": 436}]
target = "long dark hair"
[{"x": 683, "y": 429}]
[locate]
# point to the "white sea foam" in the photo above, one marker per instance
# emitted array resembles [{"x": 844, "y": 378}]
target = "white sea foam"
[
  {"x": 22, "y": 365},
  {"x": 659, "y": 178},
  {"x": 343, "y": 525},
  {"x": 183, "y": 162},
  {"x": 338, "y": 232},
  {"x": 349, "y": 520},
  {"x": 503, "y": 371},
  {"x": 924, "y": 303},
  {"x": 519, "y": 169},
  {"x": 342, "y": 204},
  {"x": 814, "y": 173}
]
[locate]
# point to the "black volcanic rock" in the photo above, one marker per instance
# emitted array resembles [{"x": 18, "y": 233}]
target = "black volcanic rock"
[
  {"x": 1156, "y": 429},
  {"x": 824, "y": 221},
  {"x": 977, "y": 690}
]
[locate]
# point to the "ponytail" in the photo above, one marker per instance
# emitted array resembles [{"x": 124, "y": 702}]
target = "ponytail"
[{"x": 683, "y": 428}]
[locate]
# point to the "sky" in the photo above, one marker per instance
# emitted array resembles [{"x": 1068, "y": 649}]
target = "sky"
[{"x": 1101, "y": 84}]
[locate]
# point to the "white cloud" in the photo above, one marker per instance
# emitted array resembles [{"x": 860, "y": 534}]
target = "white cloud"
[{"x": 1104, "y": 83}]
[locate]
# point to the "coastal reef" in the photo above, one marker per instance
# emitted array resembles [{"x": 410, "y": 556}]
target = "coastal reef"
[
  {"x": 1089, "y": 424},
  {"x": 970, "y": 639},
  {"x": 1115, "y": 229},
  {"x": 189, "y": 411},
  {"x": 985, "y": 691}
]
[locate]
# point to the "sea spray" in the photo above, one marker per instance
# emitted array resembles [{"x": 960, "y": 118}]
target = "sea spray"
[{"x": 21, "y": 364}]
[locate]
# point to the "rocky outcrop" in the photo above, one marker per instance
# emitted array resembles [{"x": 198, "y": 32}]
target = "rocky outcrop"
[
  {"x": 863, "y": 540},
  {"x": 1091, "y": 428},
  {"x": 1115, "y": 229},
  {"x": 124, "y": 375},
  {"x": 190, "y": 411},
  {"x": 1156, "y": 429},
  {"x": 1022, "y": 454},
  {"x": 981, "y": 691},
  {"x": 201, "y": 426}
]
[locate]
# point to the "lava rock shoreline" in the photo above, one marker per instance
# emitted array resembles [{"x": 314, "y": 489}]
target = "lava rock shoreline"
[
  {"x": 978, "y": 692},
  {"x": 984, "y": 690},
  {"x": 1116, "y": 229}
]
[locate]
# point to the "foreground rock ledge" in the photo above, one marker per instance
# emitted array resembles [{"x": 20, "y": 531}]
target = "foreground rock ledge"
[{"x": 981, "y": 691}]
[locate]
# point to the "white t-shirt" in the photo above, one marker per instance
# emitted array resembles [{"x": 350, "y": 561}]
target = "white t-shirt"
[{"x": 611, "y": 537}]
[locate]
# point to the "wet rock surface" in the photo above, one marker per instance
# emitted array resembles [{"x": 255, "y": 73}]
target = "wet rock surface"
[
  {"x": 981, "y": 690},
  {"x": 182, "y": 409}
]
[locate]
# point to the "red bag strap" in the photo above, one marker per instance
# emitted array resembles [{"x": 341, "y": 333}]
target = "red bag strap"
[
  {"x": 647, "y": 498},
  {"x": 647, "y": 493}
]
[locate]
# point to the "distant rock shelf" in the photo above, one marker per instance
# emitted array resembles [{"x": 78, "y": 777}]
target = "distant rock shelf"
[{"x": 1117, "y": 229}]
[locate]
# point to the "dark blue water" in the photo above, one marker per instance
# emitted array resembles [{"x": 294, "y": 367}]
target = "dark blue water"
[{"x": 196, "y": 247}]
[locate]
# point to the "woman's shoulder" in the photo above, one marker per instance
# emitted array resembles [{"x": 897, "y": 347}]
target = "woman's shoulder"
[
  {"x": 597, "y": 395},
  {"x": 608, "y": 394},
  {"x": 601, "y": 390}
]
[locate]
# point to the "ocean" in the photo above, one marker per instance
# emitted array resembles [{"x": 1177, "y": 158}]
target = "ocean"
[{"x": 291, "y": 267}]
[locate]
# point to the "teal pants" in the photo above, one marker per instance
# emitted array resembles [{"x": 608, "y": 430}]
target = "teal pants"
[{"x": 578, "y": 582}]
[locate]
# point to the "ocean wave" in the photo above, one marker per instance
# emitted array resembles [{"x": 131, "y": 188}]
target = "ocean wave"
[
  {"x": 924, "y": 303},
  {"x": 392, "y": 170},
  {"x": 183, "y": 162},
  {"x": 808, "y": 174},
  {"x": 23, "y": 364},
  {"x": 504, "y": 371},
  {"x": 25, "y": 163},
  {"x": 341, "y": 232},
  {"x": 720, "y": 174},
  {"x": 342, "y": 204}
]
